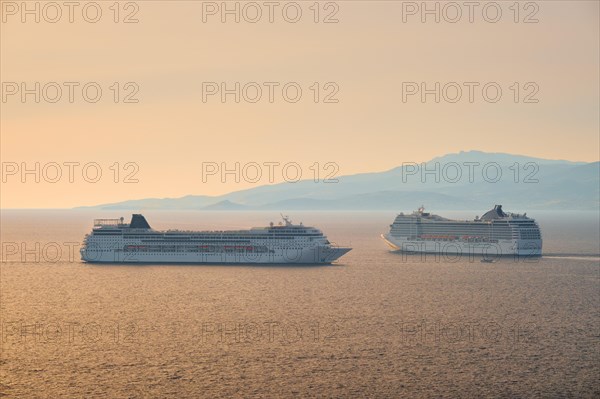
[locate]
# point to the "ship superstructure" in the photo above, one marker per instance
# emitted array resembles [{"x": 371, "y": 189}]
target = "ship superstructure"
[
  {"x": 114, "y": 241},
  {"x": 495, "y": 233}
]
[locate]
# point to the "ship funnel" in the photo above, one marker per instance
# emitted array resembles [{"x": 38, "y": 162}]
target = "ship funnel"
[
  {"x": 498, "y": 209},
  {"x": 138, "y": 221}
]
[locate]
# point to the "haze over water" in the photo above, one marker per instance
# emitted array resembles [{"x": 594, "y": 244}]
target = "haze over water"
[{"x": 376, "y": 324}]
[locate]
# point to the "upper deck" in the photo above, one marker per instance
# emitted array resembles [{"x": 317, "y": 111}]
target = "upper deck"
[
  {"x": 139, "y": 226},
  {"x": 110, "y": 223},
  {"x": 496, "y": 215}
]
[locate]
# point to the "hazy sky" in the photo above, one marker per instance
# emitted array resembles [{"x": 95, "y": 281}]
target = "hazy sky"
[{"x": 370, "y": 61}]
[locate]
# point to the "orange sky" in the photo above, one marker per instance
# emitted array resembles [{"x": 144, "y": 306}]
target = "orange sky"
[{"x": 368, "y": 55}]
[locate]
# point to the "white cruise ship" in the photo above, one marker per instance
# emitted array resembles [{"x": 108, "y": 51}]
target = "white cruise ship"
[
  {"x": 113, "y": 241},
  {"x": 496, "y": 233}
]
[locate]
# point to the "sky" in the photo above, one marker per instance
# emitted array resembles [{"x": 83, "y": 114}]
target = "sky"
[{"x": 335, "y": 89}]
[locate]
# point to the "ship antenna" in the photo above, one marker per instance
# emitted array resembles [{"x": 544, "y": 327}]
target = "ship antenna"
[{"x": 286, "y": 219}]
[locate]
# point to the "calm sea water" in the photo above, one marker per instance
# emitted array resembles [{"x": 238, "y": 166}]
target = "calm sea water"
[{"x": 377, "y": 324}]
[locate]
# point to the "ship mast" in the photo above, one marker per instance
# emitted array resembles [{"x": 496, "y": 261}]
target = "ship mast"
[{"x": 286, "y": 219}]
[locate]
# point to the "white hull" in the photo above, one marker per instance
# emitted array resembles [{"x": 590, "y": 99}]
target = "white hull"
[
  {"x": 316, "y": 255},
  {"x": 457, "y": 247}
]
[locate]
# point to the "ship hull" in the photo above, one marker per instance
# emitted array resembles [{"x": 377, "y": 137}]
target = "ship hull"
[
  {"x": 317, "y": 255},
  {"x": 458, "y": 248}
]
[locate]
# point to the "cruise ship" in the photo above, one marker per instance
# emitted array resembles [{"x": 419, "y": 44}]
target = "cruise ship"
[
  {"x": 496, "y": 233},
  {"x": 113, "y": 241}
]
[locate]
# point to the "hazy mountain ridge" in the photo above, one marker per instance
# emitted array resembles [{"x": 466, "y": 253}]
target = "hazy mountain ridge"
[{"x": 525, "y": 183}]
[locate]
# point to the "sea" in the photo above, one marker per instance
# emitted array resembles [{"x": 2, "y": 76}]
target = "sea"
[{"x": 375, "y": 324}]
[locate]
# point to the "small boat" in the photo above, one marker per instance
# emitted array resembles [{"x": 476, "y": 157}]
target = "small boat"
[{"x": 488, "y": 260}]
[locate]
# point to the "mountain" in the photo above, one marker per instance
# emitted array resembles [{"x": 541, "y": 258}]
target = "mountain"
[
  {"x": 225, "y": 206},
  {"x": 458, "y": 181}
]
